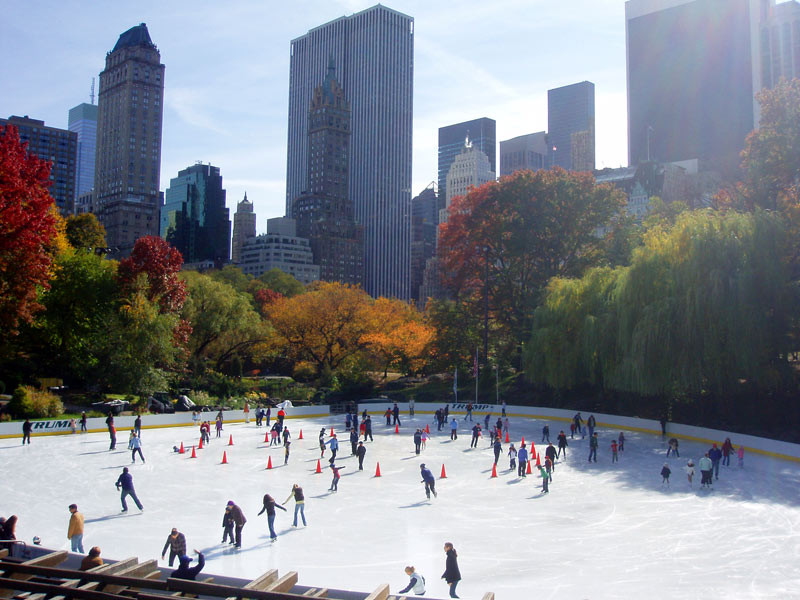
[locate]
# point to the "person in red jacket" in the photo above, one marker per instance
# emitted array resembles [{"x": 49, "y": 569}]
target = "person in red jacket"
[{"x": 614, "y": 456}]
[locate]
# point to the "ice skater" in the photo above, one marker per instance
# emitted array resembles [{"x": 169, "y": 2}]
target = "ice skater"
[
  {"x": 353, "y": 441},
  {"x": 672, "y": 446},
  {"x": 269, "y": 508},
  {"x": 453, "y": 429},
  {"x": 591, "y": 423},
  {"x": 83, "y": 423},
  {"x": 451, "y": 573},
  {"x": 368, "y": 428},
  {"x": 125, "y": 484},
  {"x": 26, "y": 432},
  {"x": 75, "y": 529},
  {"x": 715, "y": 454},
  {"x": 665, "y": 473},
  {"x": 476, "y": 433},
  {"x": 416, "y": 584},
  {"x": 176, "y": 542},
  {"x": 396, "y": 415},
  {"x": 336, "y": 477},
  {"x": 562, "y": 444},
  {"x": 136, "y": 446},
  {"x": 705, "y": 465},
  {"x": 727, "y": 450},
  {"x": 334, "y": 444},
  {"x": 219, "y": 424},
  {"x": 740, "y": 456},
  {"x": 498, "y": 448},
  {"x": 548, "y": 466},
  {"x": 546, "y": 433},
  {"x": 275, "y": 433},
  {"x": 621, "y": 442},
  {"x": 614, "y": 447},
  {"x": 237, "y": 516},
  {"x": 184, "y": 571},
  {"x": 689, "y": 468},
  {"x": 486, "y": 421},
  {"x": 593, "y": 448},
  {"x": 322, "y": 442},
  {"x": 522, "y": 456},
  {"x": 550, "y": 452},
  {"x": 361, "y": 452},
  {"x": 286, "y": 435},
  {"x": 545, "y": 479},
  {"x": 417, "y": 441},
  {"x": 299, "y": 503},
  {"x": 425, "y": 438},
  {"x": 286, "y": 445},
  {"x": 428, "y": 480},
  {"x": 227, "y": 526},
  {"x": 512, "y": 457}
]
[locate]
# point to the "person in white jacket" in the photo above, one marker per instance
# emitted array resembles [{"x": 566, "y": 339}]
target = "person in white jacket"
[
  {"x": 705, "y": 465},
  {"x": 689, "y": 468},
  {"x": 417, "y": 583}
]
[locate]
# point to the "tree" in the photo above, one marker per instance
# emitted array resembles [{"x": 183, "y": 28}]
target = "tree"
[
  {"x": 283, "y": 283},
  {"x": 456, "y": 334},
  {"x": 160, "y": 263},
  {"x": 84, "y": 232},
  {"x": 27, "y": 228},
  {"x": 505, "y": 240},
  {"x": 398, "y": 338},
  {"x": 233, "y": 276}
]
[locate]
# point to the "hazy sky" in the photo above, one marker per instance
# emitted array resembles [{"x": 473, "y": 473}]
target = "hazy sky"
[{"x": 227, "y": 73}]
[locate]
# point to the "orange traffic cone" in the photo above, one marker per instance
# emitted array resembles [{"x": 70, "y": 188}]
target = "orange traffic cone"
[
  {"x": 443, "y": 475},
  {"x": 533, "y": 449},
  {"x": 193, "y": 454},
  {"x": 319, "y": 468},
  {"x": 300, "y": 437},
  {"x": 200, "y": 447},
  {"x": 378, "y": 470},
  {"x": 427, "y": 429},
  {"x": 507, "y": 439},
  {"x": 397, "y": 428},
  {"x": 528, "y": 470},
  {"x": 224, "y": 458},
  {"x": 181, "y": 451},
  {"x": 523, "y": 440},
  {"x": 538, "y": 464},
  {"x": 230, "y": 441},
  {"x": 269, "y": 462},
  {"x": 266, "y": 438},
  {"x": 494, "y": 470},
  {"x": 331, "y": 430}
]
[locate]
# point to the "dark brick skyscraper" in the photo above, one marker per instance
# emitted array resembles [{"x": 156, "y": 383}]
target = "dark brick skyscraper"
[
  {"x": 128, "y": 163},
  {"x": 325, "y": 214}
]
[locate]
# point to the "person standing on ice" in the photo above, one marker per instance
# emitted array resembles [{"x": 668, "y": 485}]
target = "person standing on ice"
[
  {"x": 269, "y": 507},
  {"x": 498, "y": 448},
  {"x": 451, "y": 573},
  {"x": 353, "y": 441},
  {"x": 715, "y": 454},
  {"x": 396, "y": 414},
  {"x": 503, "y": 410},
  {"x": 361, "y": 452},
  {"x": 368, "y": 428},
  {"x": 247, "y": 412},
  {"x": 125, "y": 483},
  {"x": 286, "y": 435},
  {"x": 705, "y": 465},
  {"x": 417, "y": 582},
  {"x": 417, "y": 440},
  {"x": 522, "y": 455},
  {"x": 550, "y": 452},
  {"x": 26, "y": 432},
  {"x": 672, "y": 446},
  {"x": 112, "y": 432},
  {"x": 137, "y": 426},
  {"x": 453, "y": 429},
  {"x": 237, "y": 516},
  {"x": 476, "y": 433},
  {"x": 219, "y": 424},
  {"x": 578, "y": 420},
  {"x": 334, "y": 444},
  {"x": 75, "y": 529},
  {"x": 322, "y": 442},
  {"x": 614, "y": 456},
  {"x": 388, "y": 415},
  {"x": 275, "y": 432},
  {"x": 689, "y": 468},
  {"x": 83, "y": 423},
  {"x": 469, "y": 412},
  {"x": 593, "y": 448},
  {"x": 665, "y": 473},
  {"x": 428, "y": 480},
  {"x": 176, "y": 542},
  {"x": 546, "y": 433},
  {"x": 512, "y": 457},
  {"x": 136, "y": 446},
  {"x": 591, "y": 424},
  {"x": 268, "y": 414},
  {"x": 548, "y": 466},
  {"x": 184, "y": 571},
  {"x": 562, "y": 444},
  {"x": 425, "y": 438},
  {"x": 286, "y": 445},
  {"x": 227, "y": 526},
  {"x": 486, "y": 421},
  {"x": 727, "y": 450},
  {"x": 545, "y": 478},
  {"x": 621, "y": 442},
  {"x": 299, "y": 503},
  {"x": 336, "y": 477},
  {"x": 347, "y": 421},
  {"x": 281, "y": 413},
  {"x": 740, "y": 455}
]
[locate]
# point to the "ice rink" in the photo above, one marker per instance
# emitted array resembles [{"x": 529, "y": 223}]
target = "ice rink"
[{"x": 604, "y": 531}]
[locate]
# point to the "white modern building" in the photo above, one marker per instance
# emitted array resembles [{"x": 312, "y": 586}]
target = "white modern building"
[
  {"x": 470, "y": 169},
  {"x": 280, "y": 249}
]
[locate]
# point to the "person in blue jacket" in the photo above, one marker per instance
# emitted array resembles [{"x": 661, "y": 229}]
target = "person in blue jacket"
[
  {"x": 498, "y": 448},
  {"x": 334, "y": 444},
  {"x": 428, "y": 480},
  {"x": 522, "y": 457},
  {"x": 453, "y": 429},
  {"x": 125, "y": 483},
  {"x": 715, "y": 454},
  {"x": 184, "y": 571}
]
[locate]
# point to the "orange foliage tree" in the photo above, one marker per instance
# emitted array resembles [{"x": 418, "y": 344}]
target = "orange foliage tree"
[{"x": 400, "y": 338}]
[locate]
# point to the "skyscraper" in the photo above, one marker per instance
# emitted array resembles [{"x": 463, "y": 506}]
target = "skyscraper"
[
  {"x": 244, "y": 227},
  {"x": 570, "y": 126},
  {"x": 325, "y": 214},
  {"x": 482, "y": 134},
  {"x": 194, "y": 218},
  {"x": 128, "y": 165},
  {"x": 83, "y": 121},
  {"x": 524, "y": 152},
  {"x": 373, "y": 52},
  {"x": 424, "y": 222},
  {"x": 779, "y": 42},
  {"x": 57, "y": 146},
  {"x": 693, "y": 69}
]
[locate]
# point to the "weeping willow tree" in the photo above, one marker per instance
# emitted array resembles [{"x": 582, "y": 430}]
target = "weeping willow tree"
[{"x": 704, "y": 306}]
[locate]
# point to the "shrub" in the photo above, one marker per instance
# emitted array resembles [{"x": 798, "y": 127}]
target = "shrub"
[
  {"x": 28, "y": 402},
  {"x": 304, "y": 371},
  {"x": 201, "y": 398}
]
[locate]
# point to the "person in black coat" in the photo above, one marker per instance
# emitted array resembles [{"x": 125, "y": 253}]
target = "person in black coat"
[
  {"x": 353, "y": 440},
  {"x": 368, "y": 428},
  {"x": 361, "y": 452},
  {"x": 417, "y": 440},
  {"x": 498, "y": 448},
  {"x": 26, "y": 432},
  {"x": 269, "y": 508},
  {"x": 184, "y": 571},
  {"x": 396, "y": 414},
  {"x": 550, "y": 452},
  {"x": 476, "y": 433},
  {"x": 451, "y": 573}
]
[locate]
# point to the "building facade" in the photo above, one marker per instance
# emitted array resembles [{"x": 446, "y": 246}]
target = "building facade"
[
  {"x": 244, "y": 227},
  {"x": 57, "y": 146},
  {"x": 424, "y": 224},
  {"x": 779, "y": 42},
  {"x": 471, "y": 168},
  {"x": 482, "y": 134},
  {"x": 128, "y": 164},
  {"x": 374, "y": 54},
  {"x": 325, "y": 214},
  {"x": 279, "y": 248},
  {"x": 194, "y": 218},
  {"x": 83, "y": 121},
  {"x": 524, "y": 152},
  {"x": 570, "y": 126}
]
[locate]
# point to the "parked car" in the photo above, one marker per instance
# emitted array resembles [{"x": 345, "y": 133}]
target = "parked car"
[{"x": 112, "y": 407}]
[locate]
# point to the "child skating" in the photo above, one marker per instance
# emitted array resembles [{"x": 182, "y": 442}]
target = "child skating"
[
  {"x": 512, "y": 457},
  {"x": 665, "y": 473},
  {"x": 689, "y": 468}
]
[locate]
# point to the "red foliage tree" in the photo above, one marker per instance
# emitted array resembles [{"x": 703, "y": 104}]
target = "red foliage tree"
[
  {"x": 27, "y": 229},
  {"x": 161, "y": 263},
  {"x": 264, "y": 298}
]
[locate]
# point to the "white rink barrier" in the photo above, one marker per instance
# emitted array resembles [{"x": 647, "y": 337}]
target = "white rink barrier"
[
  {"x": 751, "y": 443},
  {"x": 179, "y": 419}
]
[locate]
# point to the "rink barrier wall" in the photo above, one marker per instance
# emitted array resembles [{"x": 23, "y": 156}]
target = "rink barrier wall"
[
  {"x": 44, "y": 427},
  {"x": 752, "y": 444}
]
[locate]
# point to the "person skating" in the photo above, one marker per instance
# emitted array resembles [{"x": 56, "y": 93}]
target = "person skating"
[
  {"x": 614, "y": 447},
  {"x": 84, "y": 429},
  {"x": 130, "y": 439},
  {"x": 425, "y": 438},
  {"x": 269, "y": 506},
  {"x": 522, "y": 456},
  {"x": 512, "y": 457},
  {"x": 348, "y": 418},
  {"x": 275, "y": 433},
  {"x": 545, "y": 479},
  {"x": 578, "y": 421},
  {"x": 334, "y": 444},
  {"x": 705, "y": 465},
  {"x": 689, "y": 468},
  {"x": 91, "y": 560},
  {"x": 503, "y": 410},
  {"x": 286, "y": 435},
  {"x": 176, "y": 543},
  {"x": 453, "y": 429},
  {"x": 281, "y": 414},
  {"x": 591, "y": 424},
  {"x": 268, "y": 415},
  {"x": 286, "y": 445},
  {"x": 550, "y": 452},
  {"x": 388, "y": 415},
  {"x": 416, "y": 584},
  {"x": 26, "y": 432},
  {"x": 621, "y": 442},
  {"x": 740, "y": 456},
  {"x": 361, "y": 452},
  {"x": 72, "y": 426},
  {"x": 353, "y": 441},
  {"x": 247, "y": 412},
  {"x": 411, "y": 407},
  {"x": 336, "y": 477},
  {"x": 428, "y": 480},
  {"x": 137, "y": 426},
  {"x": 112, "y": 432},
  {"x": 75, "y": 529},
  {"x": 125, "y": 483},
  {"x": 672, "y": 446},
  {"x": 486, "y": 421},
  {"x": 476, "y": 433},
  {"x": 299, "y": 503},
  {"x": 136, "y": 446},
  {"x": 227, "y": 526},
  {"x": 727, "y": 450},
  {"x": 451, "y": 573},
  {"x": 715, "y": 454},
  {"x": 219, "y": 424},
  {"x": 396, "y": 415},
  {"x": 469, "y": 412},
  {"x": 417, "y": 441},
  {"x": 184, "y": 571},
  {"x": 593, "y": 448},
  {"x": 259, "y": 416},
  {"x": 238, "y": 522},
  {"x": 546, "y": 434},
  {"x": 368, "y": 428},
  {"x": 665, "y": 473},
  {"x": 562, "y": 444},
  {"x": 322, "y": 442},
  {"x": 498, "y": 448}
]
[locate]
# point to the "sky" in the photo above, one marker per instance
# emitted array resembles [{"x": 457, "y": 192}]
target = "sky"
[{"x": 227, "y": 73}]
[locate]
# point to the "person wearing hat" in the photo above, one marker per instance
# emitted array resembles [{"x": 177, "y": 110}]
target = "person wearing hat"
[
  {"x": 689, "y": 468},
  {"x": 75, "y": 529},
  {"x": 91, "y": 560},
  {"x": 428, "y": 480},
  {"x": 227, "y": 525},
  {"x": 184, "y": 571},
  {"x": 176, "y": 542}
]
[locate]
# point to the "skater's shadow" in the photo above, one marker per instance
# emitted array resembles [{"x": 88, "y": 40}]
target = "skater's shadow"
[
  {"x": 325, "y": 495},
  {"x": 416, "y": 504},
  {"x": 120, "y": 515},
  {"x": 99, "y": 452},
  {"x": 537, "y": 496},
  {"x": 514, "y": 481},
  {"x": 413, "y": 456},
  {"x": 115, "y": 466}
]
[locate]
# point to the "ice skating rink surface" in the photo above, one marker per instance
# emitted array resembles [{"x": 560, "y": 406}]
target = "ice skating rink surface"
[{"x": 604, "y": 531}]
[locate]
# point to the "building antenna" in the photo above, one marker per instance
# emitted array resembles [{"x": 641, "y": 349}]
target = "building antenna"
[{"x": 92, "y": 93}]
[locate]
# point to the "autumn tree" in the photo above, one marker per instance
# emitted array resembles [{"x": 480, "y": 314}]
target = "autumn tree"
[
  {"x": 84, "y": 232},
  {"x": 400, "y": 339},
  {"x": 27, "y": 228},
  {"x": 160, "y": 263}
]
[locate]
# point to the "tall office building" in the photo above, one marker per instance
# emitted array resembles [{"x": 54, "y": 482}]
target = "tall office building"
[
  {"x": 194, "y": 218},
  {"x": 57, "y": 146},
  {"x": 524, "y": 152},
  {"x": 244, "y": 227},
  {"x": 471, "y": 168},
  {"x": 482, "y": 134},
  {"x": 325, "y": 213},
  {"x": 693, "y": 68},
  {"x": 424, "y": 222},
  {"x": 570, "y": 126},
  {"x": 128, "y": 165},
  {"x": 374, "y": 60},
  {"x": 779, "y": 42},
  {"x": 83, "y": 121}
]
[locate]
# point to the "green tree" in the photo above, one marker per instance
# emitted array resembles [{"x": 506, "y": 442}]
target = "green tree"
[
  {"x": 283, "y": 283},
  {"x": 84, "y": 232},
  {"x": 232, "y": 276}
]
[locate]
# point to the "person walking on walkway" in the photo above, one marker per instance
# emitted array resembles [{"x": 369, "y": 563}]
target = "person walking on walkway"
[
  {"x": 451, "y": 573},
  {"x": 125, "y": 484},
  {"x": 176, "y": 542},
  {"x": 75, "y": 529}
]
